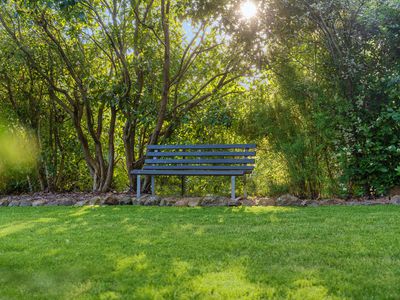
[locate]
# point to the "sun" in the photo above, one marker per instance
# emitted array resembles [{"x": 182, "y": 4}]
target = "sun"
[{"x": 248, "y": 9}]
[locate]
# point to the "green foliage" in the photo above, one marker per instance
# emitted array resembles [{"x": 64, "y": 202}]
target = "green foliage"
[
  {"x": 315, "y": 84},
  {"x": 74, "y": 63},
  {"x": 18, "y": 151},
  {"x": 298, "y": 132},
  {"x": 375, "y": 166},
  {"x": 329, "y": 102}
]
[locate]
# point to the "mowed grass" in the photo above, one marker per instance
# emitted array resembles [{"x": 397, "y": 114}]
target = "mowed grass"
[{"x": 200, "y": 253}]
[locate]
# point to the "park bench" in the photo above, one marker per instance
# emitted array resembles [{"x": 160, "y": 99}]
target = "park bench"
[{"x": 197, "y": 160}]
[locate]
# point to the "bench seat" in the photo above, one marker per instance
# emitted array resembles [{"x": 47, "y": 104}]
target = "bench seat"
[
  {"x": 190, "y": 172},
  {"x": 197, "y": 160},
  {"x": 247, "y": 169}
]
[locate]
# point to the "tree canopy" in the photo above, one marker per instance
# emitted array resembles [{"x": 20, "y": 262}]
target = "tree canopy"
[{"x": 316, "y": 84}]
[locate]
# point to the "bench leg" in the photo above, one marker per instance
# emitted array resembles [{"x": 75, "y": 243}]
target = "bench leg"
[
  {"x": 137, "y": 186},
  {"x": 153, "y": 188},
  {"x": 244, "y": 187},
  {"x": 233, "y": 187},
  {"x": 182, "y": 186}
]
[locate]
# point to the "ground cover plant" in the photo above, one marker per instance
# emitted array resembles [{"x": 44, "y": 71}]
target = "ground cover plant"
[{"x": 200, "y": 253}]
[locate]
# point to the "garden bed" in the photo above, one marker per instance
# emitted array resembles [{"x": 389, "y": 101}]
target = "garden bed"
[{"x": 83, "y": 199}]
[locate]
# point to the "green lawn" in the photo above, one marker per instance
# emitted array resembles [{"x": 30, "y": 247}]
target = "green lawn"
[{"x": 200, "y": 253}]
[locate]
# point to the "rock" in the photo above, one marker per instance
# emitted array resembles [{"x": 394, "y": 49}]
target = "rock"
[
  {"x": 288, "y": 199},
  {"x": 371, "y": 202},
  {"x": 14, "y": 203},
  {"x": 195, "y": 201},
  {"x": 96, "y": 200},
  {"x": 383, "y": 200},
  {"x": 208, "y": 201},
  {"x": 395, "y": 199},
  {"x": 152, "y": 200},
  {"x": 215, "y": 201},
  {"x": 394, "y": 191},
  {"x": 247, "y": 202},
  {"x": 266, "y": 202},
  {"x": 111, "y": 200},
  {"x": 65, "y": 201},
  {"x": 168, "y": 201},
  {"x": 25, "y": 203},
  {"x": 182, "y": 202},
  {"x": 125, "y": 200},
  {"x": 135, "y": 201},
  {"x": 313, "y": 203},
  {"x": 4, "y": 202},
  {"x": 364, "y": 203},
  {"x": 81, "y": 203},
  {"x": 323, "y": 202},
  {"x": 39, "y": 202},
  {"x": 331, "y": 202},
  {"x": 80, "y": 199},
  {"x": 235, "y": 202},
  {"x": 140, "y": 201}
]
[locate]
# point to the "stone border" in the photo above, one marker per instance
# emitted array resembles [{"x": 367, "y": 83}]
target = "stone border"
[{"x": 82, "y": 199}]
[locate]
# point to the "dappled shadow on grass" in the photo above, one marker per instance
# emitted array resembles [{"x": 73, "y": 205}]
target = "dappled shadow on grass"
[
  {"x": 15, "y": 227},
  {"x": 262, "y": 209},
  {"x": 199, "y": 253}
]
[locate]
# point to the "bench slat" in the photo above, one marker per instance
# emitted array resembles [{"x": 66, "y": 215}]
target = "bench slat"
[
  {"x": 188, "y": 172},
  {"x": 199, "y": 153},
  {"x": 200, "y": 161},
  {"x": 192, "y": 167},
  {"x": 211, "y": 146}
]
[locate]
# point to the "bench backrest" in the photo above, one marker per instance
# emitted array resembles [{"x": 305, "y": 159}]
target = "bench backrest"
[{"x": 201, "y": 157}]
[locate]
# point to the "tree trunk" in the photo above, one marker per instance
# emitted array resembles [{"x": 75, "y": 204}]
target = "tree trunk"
[
  {"x": 111, "y": 152},
  {"x": 165, "y": 4}
]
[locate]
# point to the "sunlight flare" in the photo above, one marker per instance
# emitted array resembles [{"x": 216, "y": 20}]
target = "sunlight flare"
[{"x": 248, "y": 9}]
